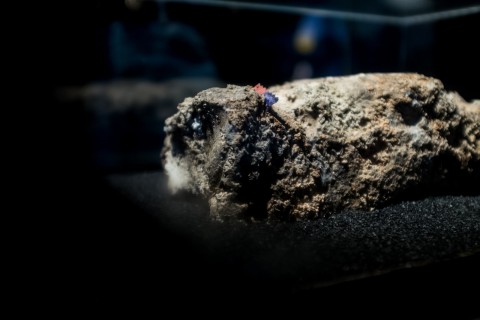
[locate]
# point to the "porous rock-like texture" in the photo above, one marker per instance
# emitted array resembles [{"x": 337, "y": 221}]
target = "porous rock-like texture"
[{"x": 355, "y": 142}]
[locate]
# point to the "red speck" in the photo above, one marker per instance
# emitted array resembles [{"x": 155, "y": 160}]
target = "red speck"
[{"x": 260, "y": 89}]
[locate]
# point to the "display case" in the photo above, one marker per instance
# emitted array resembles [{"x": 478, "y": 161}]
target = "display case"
[
  {"x": 120, "y": 68},
  {"x": 132, "y": 62}
]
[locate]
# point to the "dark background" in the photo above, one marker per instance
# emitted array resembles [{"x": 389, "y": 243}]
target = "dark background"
[
  {"x": 108, "y": 245},
  {"x": 95, "y": 43},
  {"x": 250, "y": 45}
]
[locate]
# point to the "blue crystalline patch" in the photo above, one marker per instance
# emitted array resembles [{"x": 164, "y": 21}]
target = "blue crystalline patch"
[{"x": 270, "y": 99}]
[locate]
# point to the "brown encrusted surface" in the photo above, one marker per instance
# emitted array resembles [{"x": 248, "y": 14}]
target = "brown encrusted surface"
[{"x": 356, "y": 142}]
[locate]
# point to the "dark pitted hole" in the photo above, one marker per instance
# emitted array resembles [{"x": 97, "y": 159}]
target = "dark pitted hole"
[
  {"x": 363, "y": 122},
  {"x": 411, "y": 113}
]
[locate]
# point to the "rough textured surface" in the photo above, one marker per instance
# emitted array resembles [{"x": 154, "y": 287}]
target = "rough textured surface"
[{"x": 357, "y": 142}]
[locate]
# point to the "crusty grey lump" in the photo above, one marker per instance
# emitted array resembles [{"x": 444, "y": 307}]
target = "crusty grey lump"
[{"x": 353, "y": 142}]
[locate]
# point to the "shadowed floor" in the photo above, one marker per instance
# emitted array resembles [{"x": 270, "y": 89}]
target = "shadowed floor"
[{"x": 416, "y": 258}]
